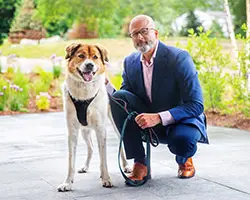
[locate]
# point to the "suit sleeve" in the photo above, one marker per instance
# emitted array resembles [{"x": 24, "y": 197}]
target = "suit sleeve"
[
  {"x": 125, "y": 81},
  {"x": 189, "y": 88}
]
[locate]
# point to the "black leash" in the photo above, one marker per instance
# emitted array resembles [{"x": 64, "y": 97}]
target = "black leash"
[{"x": 147, "y": 136}]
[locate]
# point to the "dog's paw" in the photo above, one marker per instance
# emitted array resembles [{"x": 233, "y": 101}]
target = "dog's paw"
[
  {"x": 107, "y": 183},
  {"x": 64, "y": 187},
  {"x": 127, "y": 169},
  {"x": 82, "y": 170}
]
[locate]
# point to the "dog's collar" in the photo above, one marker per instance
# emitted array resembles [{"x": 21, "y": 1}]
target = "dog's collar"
[{"x": 81, "y": 108}]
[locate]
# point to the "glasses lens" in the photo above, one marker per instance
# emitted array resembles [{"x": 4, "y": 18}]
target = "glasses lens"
[{"x": 144, "y": 31}]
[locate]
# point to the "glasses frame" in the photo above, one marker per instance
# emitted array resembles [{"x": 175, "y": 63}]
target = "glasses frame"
[{"x": 134, "y": 35}]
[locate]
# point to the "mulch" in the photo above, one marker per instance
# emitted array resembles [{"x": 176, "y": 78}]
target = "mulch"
[{"x": 238, "y": 121}]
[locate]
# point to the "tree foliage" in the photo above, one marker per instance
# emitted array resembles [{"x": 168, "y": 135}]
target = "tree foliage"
[
  {"x": 238, "y": 8},
  {"x": 192, "y": 23},
  {"x": 24, "y": 18},
  {"x": 108, "y": 17},
  {"x": 7, "y": 10}
]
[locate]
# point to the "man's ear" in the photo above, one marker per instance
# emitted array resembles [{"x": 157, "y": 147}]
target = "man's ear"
[
  {"x": 103, "y": 52},
  {"x": 71, "y": 49}
]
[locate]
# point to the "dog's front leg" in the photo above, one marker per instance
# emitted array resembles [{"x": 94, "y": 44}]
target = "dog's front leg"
[
  {"x": 125, "y": 164},
  {"x": 72, "y": 143},
  {"x": 101, "y": 139}
]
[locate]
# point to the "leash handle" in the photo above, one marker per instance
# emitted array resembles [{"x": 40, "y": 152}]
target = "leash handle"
[
  {"x": 128, "y": 181},
  {"x": 148, "y": 137}
]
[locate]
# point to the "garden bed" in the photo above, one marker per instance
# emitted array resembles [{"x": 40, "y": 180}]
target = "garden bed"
[{"x": 213, "y": 118}]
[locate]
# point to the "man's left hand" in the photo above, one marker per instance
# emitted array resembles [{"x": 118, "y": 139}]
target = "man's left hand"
[{"x": 148, "y": 120}]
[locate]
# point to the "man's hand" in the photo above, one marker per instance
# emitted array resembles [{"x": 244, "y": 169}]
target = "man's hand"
[{"x": 148, "y": 120}]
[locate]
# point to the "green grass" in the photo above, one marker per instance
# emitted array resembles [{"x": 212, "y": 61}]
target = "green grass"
[{"x": 118, "y": 48}]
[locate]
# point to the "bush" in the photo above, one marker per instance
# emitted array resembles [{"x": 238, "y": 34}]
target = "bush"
[
  {"x": 3, "y": 93},
  {"x": 210, "y": 62},
  {"x": 116, "y": 80},
  {"x": 43, "y": 82},
  {"x": 57, "y": 71},
  {"x": 43, "y": 101}
]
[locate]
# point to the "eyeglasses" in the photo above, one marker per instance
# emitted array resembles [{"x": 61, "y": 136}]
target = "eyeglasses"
[{"x": 143, "y": 32}]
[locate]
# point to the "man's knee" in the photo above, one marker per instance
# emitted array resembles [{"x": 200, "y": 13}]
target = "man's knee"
[{"x": 183, "y": 146}]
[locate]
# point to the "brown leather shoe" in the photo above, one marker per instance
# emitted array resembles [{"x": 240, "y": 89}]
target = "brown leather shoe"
[
  {"x": 187, "y": 169},
  {"x": 139, "y": 172}
]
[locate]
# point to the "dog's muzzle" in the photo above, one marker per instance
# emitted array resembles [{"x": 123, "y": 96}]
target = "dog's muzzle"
[{"x": 88, "y": 72}]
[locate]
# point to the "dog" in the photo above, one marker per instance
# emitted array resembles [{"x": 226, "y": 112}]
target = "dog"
[{"x": 86, "y": 107}]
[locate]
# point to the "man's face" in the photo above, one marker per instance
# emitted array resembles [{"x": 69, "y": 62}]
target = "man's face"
[{"x": 143, "y": 35}]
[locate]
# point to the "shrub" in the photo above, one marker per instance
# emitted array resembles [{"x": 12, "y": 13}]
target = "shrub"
[
  {"x": 3, "y": 93},
  {"x": 57, "y": 71},
  {"x": 22, "y": 80},
  {"x": 42, "y": 84},
  {"x": 116, "y": 80},
  {"x": 210, "y": 61},
  {"x": 43, "y": 101},
  {"x": 57, "y": 68}
]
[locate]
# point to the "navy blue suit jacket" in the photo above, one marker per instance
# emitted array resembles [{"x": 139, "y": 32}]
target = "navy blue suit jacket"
[{"x": 175, "y": 86}]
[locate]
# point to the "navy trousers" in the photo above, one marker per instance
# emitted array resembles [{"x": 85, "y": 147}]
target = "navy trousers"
[{"x": 181, "y": 138}]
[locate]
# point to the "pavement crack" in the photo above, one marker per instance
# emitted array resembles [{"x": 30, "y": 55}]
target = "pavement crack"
[{"x": 227, "y": 186}]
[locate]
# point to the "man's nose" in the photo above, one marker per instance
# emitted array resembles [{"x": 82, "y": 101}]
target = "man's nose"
[{"x": 139, "y": 36}]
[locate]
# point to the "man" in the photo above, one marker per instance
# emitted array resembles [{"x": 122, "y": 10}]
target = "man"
[{"x": 161, "y": 83}]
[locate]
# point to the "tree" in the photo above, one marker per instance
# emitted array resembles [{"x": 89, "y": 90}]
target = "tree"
[
  {"x": 24, "y": 18},
  {"x": 238, "y": 9},
  {"x": 93, "y": 13},
  {"x": 7, "y": 10},
  {"x": 231, "y": 32},
  {"x": 184, "y": 6},
  {"x": 192, "y": 23}
]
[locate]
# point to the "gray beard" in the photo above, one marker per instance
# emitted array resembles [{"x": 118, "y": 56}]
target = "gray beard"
[{"x": 145, "y": 48}]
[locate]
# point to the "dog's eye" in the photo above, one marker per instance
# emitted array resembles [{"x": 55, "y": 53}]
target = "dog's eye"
[
  {"x": 95, "y": 57},
  {"x": 81, "y": 56}
]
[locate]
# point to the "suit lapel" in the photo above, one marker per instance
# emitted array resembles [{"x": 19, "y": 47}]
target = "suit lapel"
[{"x": 160, "y": 64}]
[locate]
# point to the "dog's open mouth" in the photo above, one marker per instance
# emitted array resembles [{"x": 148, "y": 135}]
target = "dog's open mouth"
[{"x": 87, "y": 76}]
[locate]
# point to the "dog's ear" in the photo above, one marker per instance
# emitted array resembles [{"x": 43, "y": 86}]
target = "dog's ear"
[
  {"x": 71, "y": 49},
  {"x": 103, "y": 52}
]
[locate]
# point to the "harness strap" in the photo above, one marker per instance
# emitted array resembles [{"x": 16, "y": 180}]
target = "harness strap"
[{"x": 81, "y": 108}]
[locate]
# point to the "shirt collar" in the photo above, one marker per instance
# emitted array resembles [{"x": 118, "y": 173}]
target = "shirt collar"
[{"x": 154, "y": 54}]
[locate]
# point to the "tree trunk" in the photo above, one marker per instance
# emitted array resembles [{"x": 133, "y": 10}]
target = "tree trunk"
[{"x": 231, "y": 34}]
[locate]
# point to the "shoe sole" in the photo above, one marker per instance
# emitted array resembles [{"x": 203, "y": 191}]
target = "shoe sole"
[
  {"x": 186, "y": 177},
  {"x": 137, "y": 181}
]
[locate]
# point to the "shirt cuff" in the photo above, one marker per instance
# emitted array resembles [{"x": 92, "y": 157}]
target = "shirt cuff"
[
  {"x": 166, "y": 118},
  {"x": 110, "y": 88}
]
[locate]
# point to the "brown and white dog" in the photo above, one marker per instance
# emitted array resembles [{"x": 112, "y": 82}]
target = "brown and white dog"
[{"x": 86, "y": 107}]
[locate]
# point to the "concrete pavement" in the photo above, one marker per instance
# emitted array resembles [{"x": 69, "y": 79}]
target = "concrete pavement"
[{"x": 33, "y": 162}]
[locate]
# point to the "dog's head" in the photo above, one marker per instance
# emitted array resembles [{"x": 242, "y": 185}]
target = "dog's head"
[{"x": 85, "y": 62}]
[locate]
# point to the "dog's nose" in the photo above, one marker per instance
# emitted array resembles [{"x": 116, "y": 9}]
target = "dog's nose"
[{"x": 89, "y": 67}]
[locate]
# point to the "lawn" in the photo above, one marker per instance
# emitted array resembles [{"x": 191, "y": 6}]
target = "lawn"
[{"x": 118, "y": 48}]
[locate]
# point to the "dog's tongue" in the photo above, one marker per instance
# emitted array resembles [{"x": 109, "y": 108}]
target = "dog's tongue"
[{"x": 87, "y": 76}]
